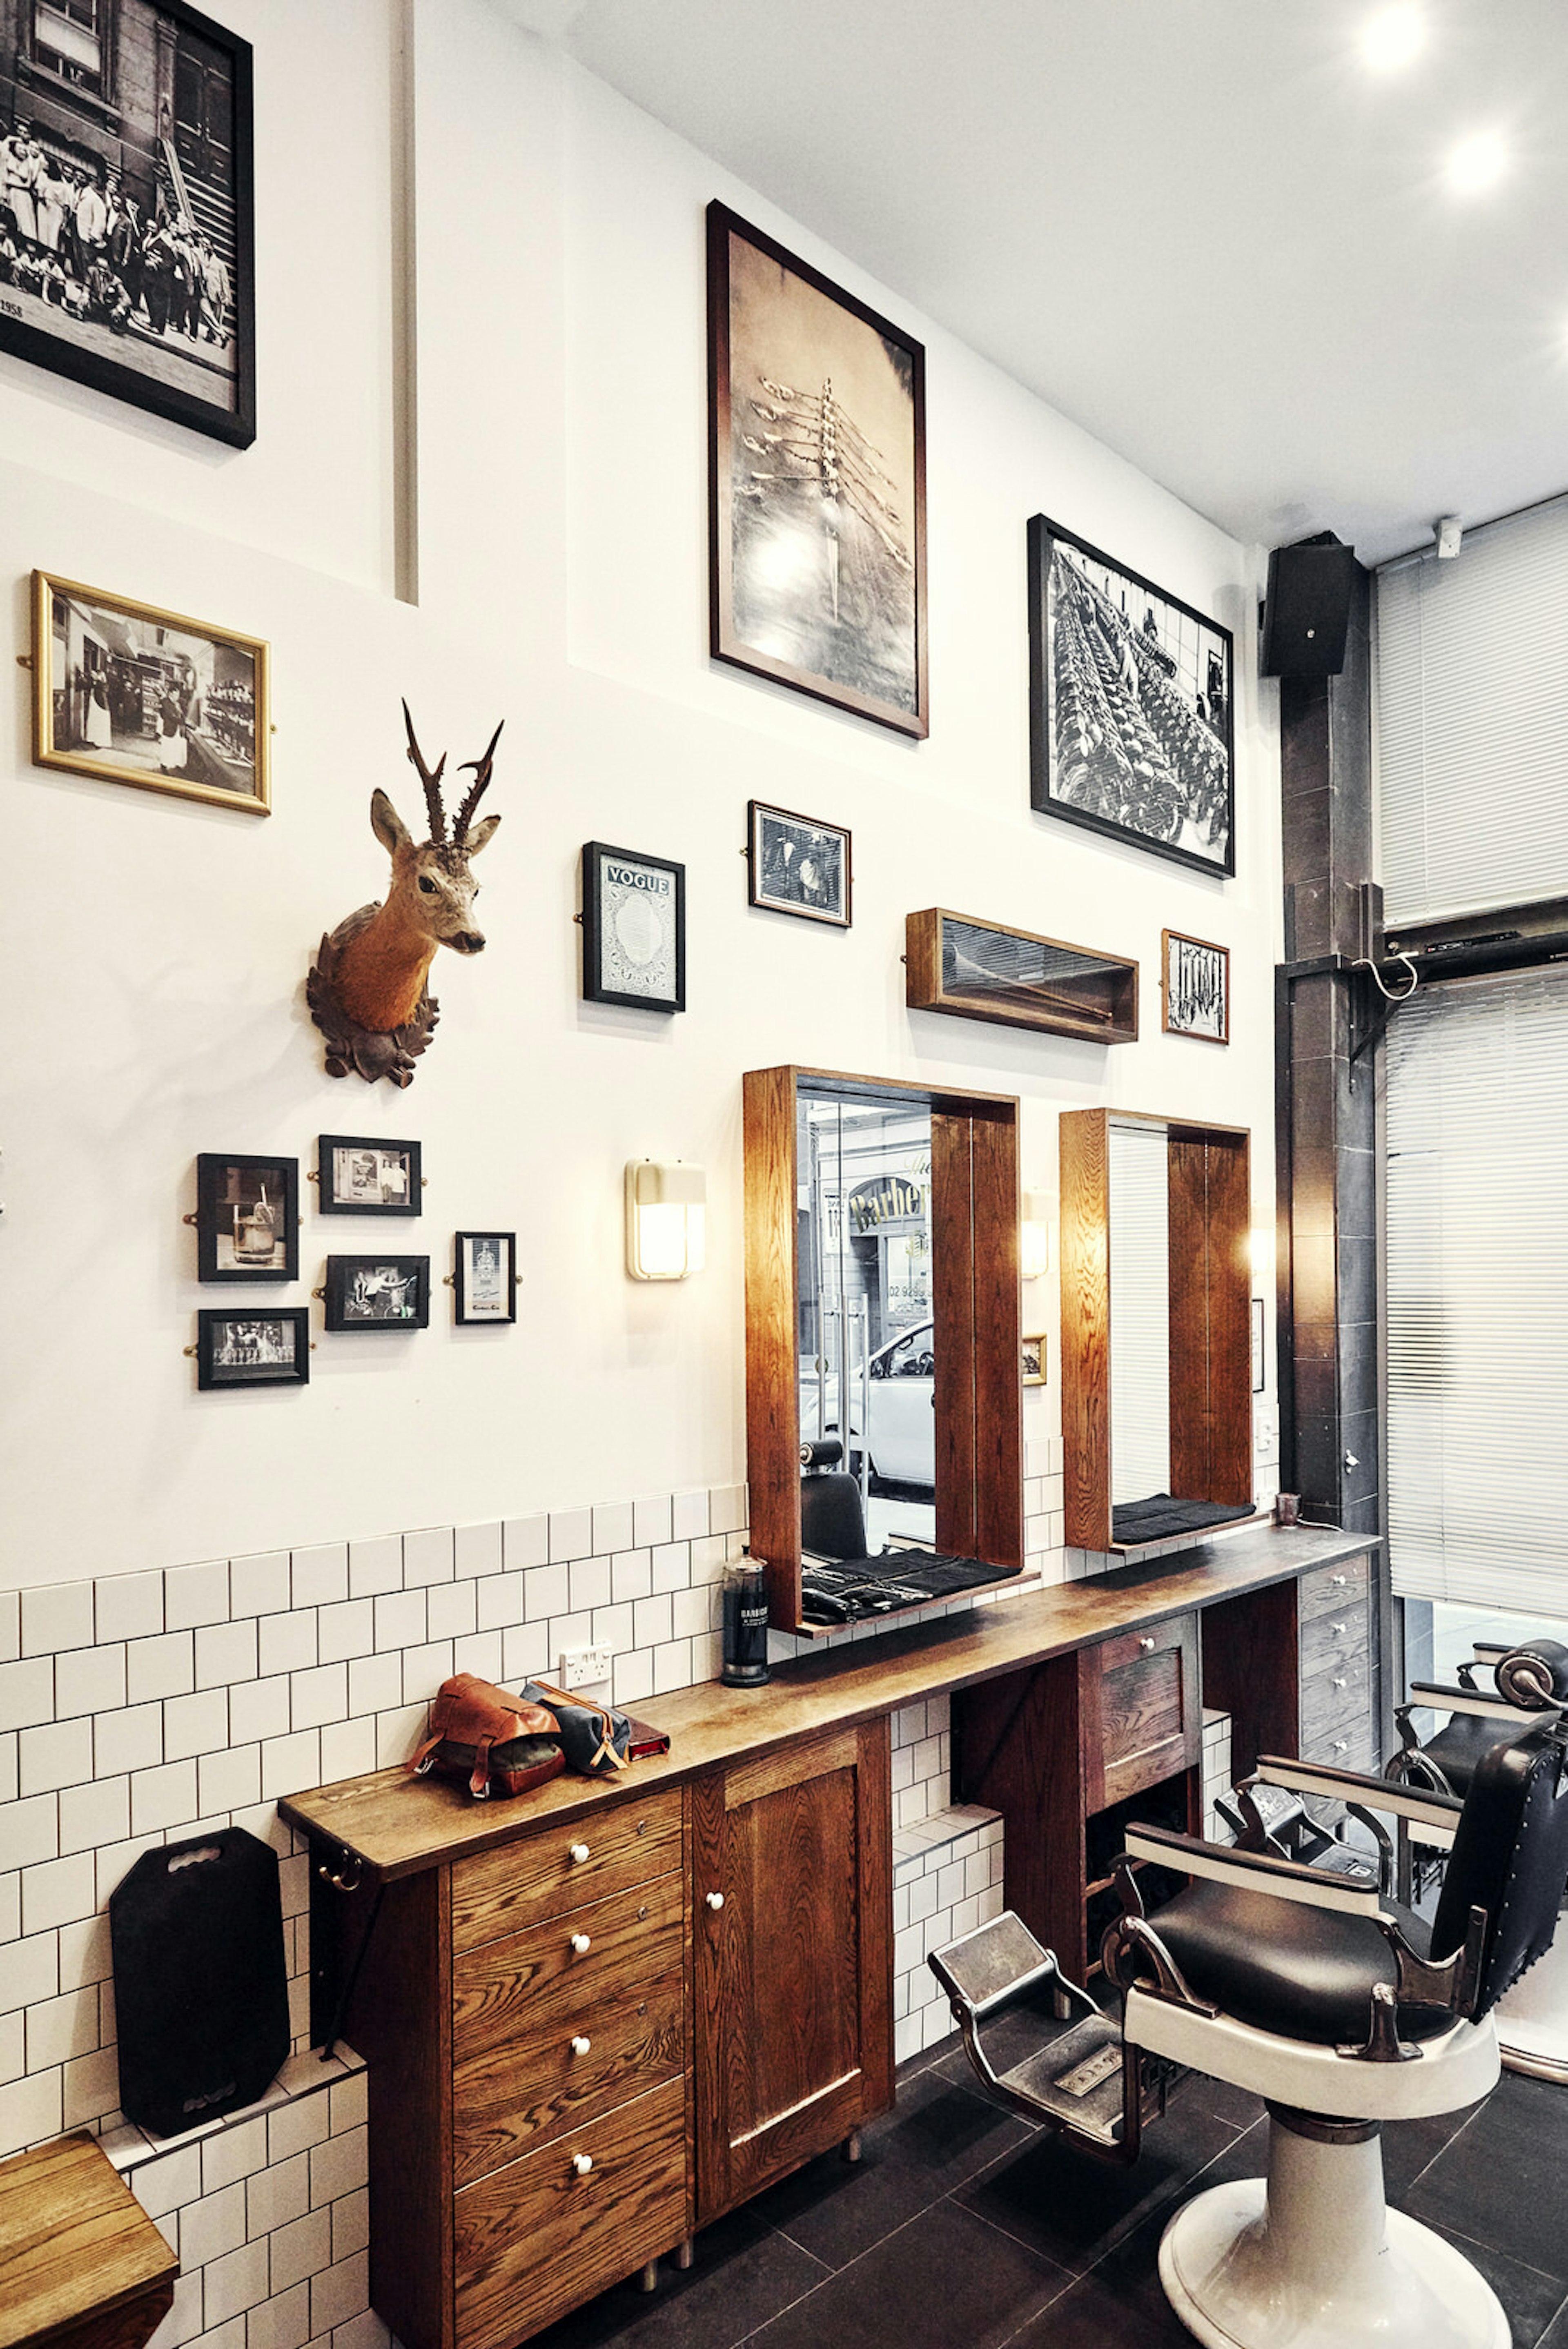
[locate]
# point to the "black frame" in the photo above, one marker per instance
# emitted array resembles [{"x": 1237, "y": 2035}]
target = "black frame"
[
  {"x": 329, "y": 1201},
  {"x": 209, "y": 1379},
  {"x": 236, "y": 425},
  {"x": 211, "y": 1167},
  {"x": 466, "y": 1319},
  {"x": 595, "y": 990},
  {"x": 335, "y": 1292},
  {"x": 1044, "y": 535},
  {"x": 755, "y": 811},
  {"x": 723, "y": 643}
]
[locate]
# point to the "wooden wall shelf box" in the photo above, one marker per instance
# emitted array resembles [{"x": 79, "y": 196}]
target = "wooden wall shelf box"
[
  {"x": 82, "y": 2266},
  {"x": 984, "y": 970},
  {"x": 684, "y": 1976}
]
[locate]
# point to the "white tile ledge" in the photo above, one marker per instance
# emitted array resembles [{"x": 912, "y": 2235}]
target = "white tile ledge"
[
  {"x": 129, "y": 2147},
  {"x": 950, "y": 1826}
]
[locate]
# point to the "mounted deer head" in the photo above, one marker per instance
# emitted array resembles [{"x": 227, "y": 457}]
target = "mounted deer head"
[{"x": 366, "y": 990}]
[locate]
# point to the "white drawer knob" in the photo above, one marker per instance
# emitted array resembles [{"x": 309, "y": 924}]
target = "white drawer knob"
[
  {"x": 1148, "y": 1647},
  {"x": 582, "y": 1943},
  {"x": 1340, "y": 1745},
  {"x": 580, "y": 2045},
  {"x": 1340, "y": 1682},
  {"x": 715, "y": 1900},
  {"x": 582, "y": 2163},
  {"x": 1339, "y": 1629},
  {"x": 1337, "y": 1581},
  {"x": 579, "y": 1852}
]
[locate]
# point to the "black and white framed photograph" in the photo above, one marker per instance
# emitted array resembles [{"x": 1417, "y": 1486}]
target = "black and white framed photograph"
[
  {"x": 634, "y": 928},
  {"x": 253, "y": 1350},
  {"x": 126, "y": 215},
  {"x": 1032, "y": 1356},
  {"x": 134, "y": 695},
  {"x": 1130, "y": 705},
  {"x": 484, "y": 1276},
  {"x": 817, "y": 482},
  {"x": 1259, "y": 1368},
  {"x": 247, "y": 1217},
  {"x": 1195, "y": 988},
  {"x": 796, "y": 865},
  {"x": 364, "y": 1174},
  {"x": 378, "y": 1292}
]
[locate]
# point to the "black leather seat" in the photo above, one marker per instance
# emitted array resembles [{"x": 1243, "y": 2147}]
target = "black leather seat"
[
  {"x": 1306, "y": 1973},
  {"x": 832, "y": 1520}
]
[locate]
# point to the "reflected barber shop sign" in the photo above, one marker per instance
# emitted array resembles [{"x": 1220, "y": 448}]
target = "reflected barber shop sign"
[{"x": 890, "y": 1200}]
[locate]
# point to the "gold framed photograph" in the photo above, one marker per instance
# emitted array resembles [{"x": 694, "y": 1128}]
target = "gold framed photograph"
[
  {"x": 1032, "y": 1353},
  {"x": 133, "y": 694}
]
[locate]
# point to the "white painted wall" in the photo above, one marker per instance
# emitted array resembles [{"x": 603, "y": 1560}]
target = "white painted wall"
[{"x": 154, "y": 952}]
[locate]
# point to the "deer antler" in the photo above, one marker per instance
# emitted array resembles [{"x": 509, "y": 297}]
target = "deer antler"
[
  {"x": 432, "y": 784},
  {"x": 475, "y": 792}
]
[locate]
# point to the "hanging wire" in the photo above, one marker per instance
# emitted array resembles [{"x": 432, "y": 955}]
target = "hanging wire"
[{"x": 1363, "y": 963}]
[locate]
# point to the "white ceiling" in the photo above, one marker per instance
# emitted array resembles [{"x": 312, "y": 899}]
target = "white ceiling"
[{"x": 1201, "y": 228}]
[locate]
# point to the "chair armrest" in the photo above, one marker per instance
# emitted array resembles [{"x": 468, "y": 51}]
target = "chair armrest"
[
  {"x": 1437, "y": 1814},
  {"x": 1429, "y": 1694},
  {"x": 1247, "y": 1871}
]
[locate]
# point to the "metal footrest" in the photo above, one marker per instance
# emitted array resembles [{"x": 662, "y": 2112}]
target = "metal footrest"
[{"x": 1084, "y": 2081}]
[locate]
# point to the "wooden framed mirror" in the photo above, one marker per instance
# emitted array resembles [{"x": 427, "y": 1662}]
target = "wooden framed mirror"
[
  {"x": 882, "y": 1299},
  {"x": 1155, "y": 1321}
]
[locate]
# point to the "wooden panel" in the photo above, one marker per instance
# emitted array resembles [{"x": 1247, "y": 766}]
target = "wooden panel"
[
  {"x": 497, "y": 1988},
  {"x": 1140, "y": 1710},
  {"x": 1015, "y": 1749},
  {"x": 1332, "y": 1590},
  {"x": 874, "y": 1909},
  {"x": 399, "y": 2020},
  {"x": 81, "y": 2264},
  {"x": 531, "y": 2087},
  {"x": 1087, "y": 1327},
  {"x": 1230, "y": 1320},
  {"x": 535, "y": 2239},
  {"x": 773, "y": 1772},
  {"x": 998, "y": 1390},
  {"x": 536, "y": 1879},
  {"x": 1336, "y": 1698},
  {"x": 1249, "y": 1671},
  {"x": 773, "y": 1390},
  {"x": 953, "y": 1336}
]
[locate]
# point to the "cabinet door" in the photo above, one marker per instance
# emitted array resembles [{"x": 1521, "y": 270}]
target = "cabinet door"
[{"x": 793, "y": 1925}]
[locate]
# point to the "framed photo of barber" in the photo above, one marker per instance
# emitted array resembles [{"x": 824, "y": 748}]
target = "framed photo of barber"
[{"x": 127, "y": 212}]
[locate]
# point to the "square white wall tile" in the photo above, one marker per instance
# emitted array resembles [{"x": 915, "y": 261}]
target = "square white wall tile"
[{"x": 56, "y": 1615}]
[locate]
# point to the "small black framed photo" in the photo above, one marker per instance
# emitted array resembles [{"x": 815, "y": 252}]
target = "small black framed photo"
[
  {"x": 1194, "y": 987},
  {"x": 126, "y": 210},
  {"x": 484, "y": 1276},
  {"x": 247, "y": 1217},
  {"x": 797, "y": 865},
  {"x": 634, "y": 928},
  {"x": 1130, "y": 716},
  {"x": 251, "y": 1348},
  {"x": 378, "y": 1292},
  {"x": 364, "y": 1174}
]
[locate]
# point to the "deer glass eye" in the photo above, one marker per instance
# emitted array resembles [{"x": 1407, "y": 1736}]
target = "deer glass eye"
[{"x": 427, "y": 884}]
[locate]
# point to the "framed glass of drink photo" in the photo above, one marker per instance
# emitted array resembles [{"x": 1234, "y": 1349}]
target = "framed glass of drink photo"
[{"x": 247, "y": 1217}]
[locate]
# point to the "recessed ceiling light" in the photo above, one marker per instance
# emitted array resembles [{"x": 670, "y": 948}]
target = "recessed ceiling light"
[
  {"x": 1477, "y": 163},
  {"x": 1392, "y": 37}
]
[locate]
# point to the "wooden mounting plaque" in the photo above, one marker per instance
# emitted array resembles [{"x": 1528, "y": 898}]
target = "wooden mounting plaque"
[{"x": 986, "y": 970}]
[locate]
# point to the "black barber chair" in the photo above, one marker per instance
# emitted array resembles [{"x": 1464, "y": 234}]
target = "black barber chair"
[
  {"x": 1532, "y": 2020},
  {"x": 1340, "y": 2009}
]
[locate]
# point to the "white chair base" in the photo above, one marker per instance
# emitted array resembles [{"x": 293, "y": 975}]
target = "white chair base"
[
  {"x": 1310, "y": 2257},
  {"x": 1532, "y": 2020}
]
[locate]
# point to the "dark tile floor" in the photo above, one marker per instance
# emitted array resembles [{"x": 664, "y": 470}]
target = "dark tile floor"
[{"x": 962, "y": 2228}]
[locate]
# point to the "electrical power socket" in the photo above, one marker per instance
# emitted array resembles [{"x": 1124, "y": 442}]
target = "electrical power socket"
[{"x": 583, "y": 1668}]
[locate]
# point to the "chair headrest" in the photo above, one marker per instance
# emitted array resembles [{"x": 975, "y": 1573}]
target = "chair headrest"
[
  {"x": 1535, "y": 1675},
  {"x": 826, "y": 1453}
]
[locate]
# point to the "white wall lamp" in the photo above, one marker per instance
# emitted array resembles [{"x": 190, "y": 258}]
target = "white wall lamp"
[
  {"x": 1034, "y": 1236},
  {"x": 666, "y": 1219}
]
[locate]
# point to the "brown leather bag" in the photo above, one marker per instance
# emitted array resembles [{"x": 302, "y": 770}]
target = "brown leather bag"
[{"x": 499, "y": 1742}]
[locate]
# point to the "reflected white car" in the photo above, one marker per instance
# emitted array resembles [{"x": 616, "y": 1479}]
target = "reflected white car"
[{"x": 903, "y": 1437}]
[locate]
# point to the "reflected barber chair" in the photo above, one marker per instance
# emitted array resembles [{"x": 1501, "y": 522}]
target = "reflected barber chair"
[
  {"x": 1340, "y": 2009},
  {"x": 1530, "y": 1679}
]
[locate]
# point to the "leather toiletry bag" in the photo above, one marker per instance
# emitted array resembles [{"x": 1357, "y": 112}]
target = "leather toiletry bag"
[
  {"x": 501, "y": 1744},
  {"x": 596, "y": 1737}
]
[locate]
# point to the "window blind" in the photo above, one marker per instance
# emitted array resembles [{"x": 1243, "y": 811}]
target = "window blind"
[
  {"x": 1140, "y": 1312},
  {"x": 1472, "y": 726},
  {"x": 1478, "y": 1286}
]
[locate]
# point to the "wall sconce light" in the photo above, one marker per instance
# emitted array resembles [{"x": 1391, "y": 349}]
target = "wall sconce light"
[
  {"x": 666, "y": 1219},
  {"x": 1034, "y": 1236}
]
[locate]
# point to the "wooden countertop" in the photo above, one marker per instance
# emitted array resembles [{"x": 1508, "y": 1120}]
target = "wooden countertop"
[
  {"x": 398, "y": 1824},
  {"x": 81, "y": 2261}
]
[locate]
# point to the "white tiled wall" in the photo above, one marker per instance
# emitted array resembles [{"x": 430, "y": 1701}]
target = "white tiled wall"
[{"x": 946, "y": 1880}]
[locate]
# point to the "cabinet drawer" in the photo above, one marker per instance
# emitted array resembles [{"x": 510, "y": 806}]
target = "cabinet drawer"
[
  {"x": 1343, "y": 1745},
  {"x": 1139, "y": 1696},
  {"x": 512, "y": 2099},
  {"x": 499, "y": 1988},
  {"x": 1327, "y": 1638},
  {"x": 536, "y": 2238},
  {"x": 1332, "y": 1590},
  {"x": 627, "y": 1844},
  {"x": 1342, "y": 1691}
]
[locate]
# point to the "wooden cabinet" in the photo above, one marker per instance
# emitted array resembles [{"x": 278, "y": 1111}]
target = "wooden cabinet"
[
  {"x": 1335, "y": 1644},
  {"x": 792, "y": 1930}
]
